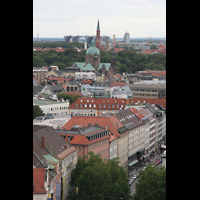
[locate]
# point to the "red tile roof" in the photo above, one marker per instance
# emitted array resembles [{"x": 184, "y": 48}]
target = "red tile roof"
[
  {"x": 75, "y": 92},
  {"x": 88, "y": 81},
  {"x": 120, "y": 84},
  {"x": 38, "y": 178},
  {"x": 138, "y": 114},
  {"x": 112, "y": 122},
  {"x": 97, "y": 102},
  {"x": 118, "y": 49}
]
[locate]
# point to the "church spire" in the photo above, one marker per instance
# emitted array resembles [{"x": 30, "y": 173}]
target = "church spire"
[{"x": 98, "y": 28}]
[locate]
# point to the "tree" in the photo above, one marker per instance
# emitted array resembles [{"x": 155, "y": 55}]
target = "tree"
[
  {"x": 99, "y": 180},
  {"x": 38, "y": 62},
  {"x": 37, "y": 111},
  {"x": 151, "y": 184}
]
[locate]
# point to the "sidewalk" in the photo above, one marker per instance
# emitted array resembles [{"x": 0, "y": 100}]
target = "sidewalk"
[{"x": 153, "y": 160}]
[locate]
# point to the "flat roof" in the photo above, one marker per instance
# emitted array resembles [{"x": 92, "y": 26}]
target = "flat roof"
[{"x": 36, "y": 101}]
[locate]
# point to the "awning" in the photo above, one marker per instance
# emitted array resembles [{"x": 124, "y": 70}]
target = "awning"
[
  {"x": 163, "y": 146},
  {"x": 132, "y": 163}
]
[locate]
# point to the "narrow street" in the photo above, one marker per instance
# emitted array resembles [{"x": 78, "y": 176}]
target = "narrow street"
[{"x": 153, "y": 160}]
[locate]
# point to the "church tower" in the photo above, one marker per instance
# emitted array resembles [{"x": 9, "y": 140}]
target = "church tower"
[{"x": 98, "y": 38}]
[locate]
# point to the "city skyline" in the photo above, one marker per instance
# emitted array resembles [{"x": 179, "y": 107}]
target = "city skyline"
[{"x": 142, "y": 18}]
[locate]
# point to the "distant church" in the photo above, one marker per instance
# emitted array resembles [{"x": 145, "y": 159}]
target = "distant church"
[{"x": 92, "y": 58}]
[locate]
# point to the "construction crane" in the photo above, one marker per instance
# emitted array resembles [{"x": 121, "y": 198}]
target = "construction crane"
[
  {"x": 113, "y": 40},
  {"x": 149, "y": 39}
]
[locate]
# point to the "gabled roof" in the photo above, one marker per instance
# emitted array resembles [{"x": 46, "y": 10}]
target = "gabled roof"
[
  {"x": 137, "y": 113},
  {"x": 112, "y": 122},
  {"x": 80, "y": 64},
  {"x": 107, "y": 65},
  {"x": 88, "y": 67},
  {"x": 38, "y": 180},
  {"x": 51, "y": 139},
  {"x": 120, "y": 84}
]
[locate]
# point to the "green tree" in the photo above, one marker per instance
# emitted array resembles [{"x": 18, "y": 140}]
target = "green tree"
[
  {"x": 99, "y": 180},
  {"x": 37, "y": 111},
  {"x": 151, "y": 184},
  {"x": 38, "y": 62}
]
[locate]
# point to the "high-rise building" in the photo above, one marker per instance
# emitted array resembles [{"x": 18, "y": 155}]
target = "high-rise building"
[{"x": 126, "y": 38}]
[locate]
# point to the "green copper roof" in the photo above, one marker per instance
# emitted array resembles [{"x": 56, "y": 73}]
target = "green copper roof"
[
  {"x": 98, "y": 28},
  {"x": 80, "y": 64},
  {"x": 92, "y": 49},
  {"x": 51, "y": 159},
  {"x": 106, "y": 64},
  {"x": 88, "y": 67}
]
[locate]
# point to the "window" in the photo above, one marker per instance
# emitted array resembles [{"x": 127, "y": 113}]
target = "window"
[
  {"x": 85, "y": 105},
  {"x": 90, "y": 105},
  {"x": 76, "y": 105},
  {"x": 79, "y": 148},
  {"x": 122, "y": 101},
  {"x": 113, "y": 106},
  {"x": 117, "y": 106},
  {"x": 108, "y": 105},
  {"x": 122, "y": 106},
  {"x": 99, "y": 105},
  {"x": 94, "y": 105},
  {"x": 92, "y": 100},
  {"x": 81, "y": 105},
  {"x": 87, "y": 100},
  {"x": 81, "y": 100},
  {"x": 104, "y": 106}
]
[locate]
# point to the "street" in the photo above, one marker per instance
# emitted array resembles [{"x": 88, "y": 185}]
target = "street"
[{"x": 153, "y": 160}]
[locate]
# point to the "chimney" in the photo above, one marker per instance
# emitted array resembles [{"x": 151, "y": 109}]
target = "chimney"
[
  {"x": 106, "y": 127},
  {"x": 42, "y": 142}
]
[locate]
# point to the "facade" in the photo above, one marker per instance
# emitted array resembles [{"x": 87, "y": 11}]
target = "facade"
[
  {"x": 39, "y": 74},
  {"x": 88, "y": 138},
  {"x": 69, "y": 161},
  {"x": 55, "y": 108},
  {"x": 85, "y": 75},
  {"x": 136, "y": 128},
  {"x": 156, "y": 91},
  {"x": 96, "y": 107},
  {"x": 117, "y": 137}
]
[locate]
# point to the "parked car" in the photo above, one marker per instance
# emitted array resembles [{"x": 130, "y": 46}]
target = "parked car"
[
  {"x": 129, "y": 183},
  {"x": 157, "y": 161},
  {"x": 160, "y": 160}
]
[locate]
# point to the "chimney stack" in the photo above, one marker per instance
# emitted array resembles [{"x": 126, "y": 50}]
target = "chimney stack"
[{"x": 42, "y": 142}]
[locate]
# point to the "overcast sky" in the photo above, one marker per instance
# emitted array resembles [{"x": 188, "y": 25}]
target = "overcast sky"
[{"x": 140, "y": 18}]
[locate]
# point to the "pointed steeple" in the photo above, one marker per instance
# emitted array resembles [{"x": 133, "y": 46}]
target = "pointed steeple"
[{"x": 98, "y": 28}]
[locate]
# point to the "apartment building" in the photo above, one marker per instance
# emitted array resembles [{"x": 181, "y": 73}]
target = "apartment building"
[
  {"x": 59, "y": 154},
  {"x": 96, "y": 107},
  {"x": 85, "y": 75},
  {"x": 117, "y": 137},
  {"x": 40, "y": 74},
  {"x": 136, "y": 136},
  {"x": 146, "y": 90},
  {"x": 58, "y": 108},
  {"x": 88, "y": 138}
]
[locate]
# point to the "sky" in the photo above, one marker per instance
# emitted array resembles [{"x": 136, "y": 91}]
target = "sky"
[{"x": 140, "y": 18}]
